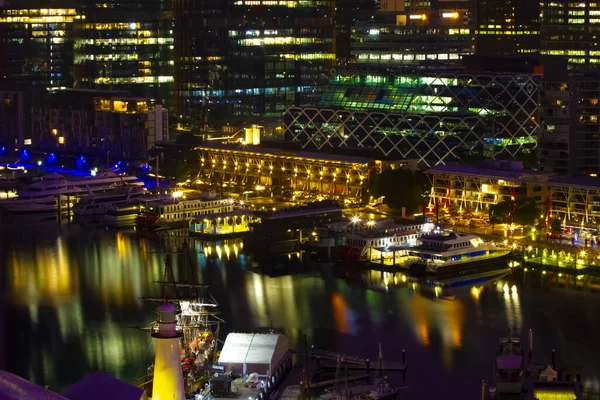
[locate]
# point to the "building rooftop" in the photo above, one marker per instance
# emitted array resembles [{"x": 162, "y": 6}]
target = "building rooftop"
[
  {"x": 99, "y": 386},
  {"x": 13, "y": 387},
  {"x": 501, "y": 171},
  {"x": 269, "y": 151}
]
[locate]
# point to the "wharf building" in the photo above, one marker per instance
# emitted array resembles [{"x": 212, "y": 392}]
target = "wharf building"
[
  {"x": 260, "y": 168},
  {"x": 412, "y": 33},
  {"x": 105, "y": 124},
  {"x": 36, "y": 46},
  {"x": 571, "y": 29},
  {"x": 575, "y": 201},
  {"x": 244, "y": 61},
  {"x": 508, "y": 27},
  {"x": 126, "y": 46},
  {"x": 415, "y": 113}
]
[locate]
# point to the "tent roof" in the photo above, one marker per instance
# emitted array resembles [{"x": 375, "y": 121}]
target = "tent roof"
[
  {"x": 250, "y": 348},
  {"x": 13, "y": 387},
  {"x": 100, "y": 386}
]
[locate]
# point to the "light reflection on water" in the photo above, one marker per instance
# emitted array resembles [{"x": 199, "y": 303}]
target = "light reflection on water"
[{"x": 75, "y": 298}]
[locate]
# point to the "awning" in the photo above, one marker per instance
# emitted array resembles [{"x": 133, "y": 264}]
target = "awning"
[{"x": 261, "y": 349}]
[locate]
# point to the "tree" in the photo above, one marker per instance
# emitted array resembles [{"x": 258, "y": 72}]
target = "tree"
[
  {"x": 526, "y": 212},
  {"x": 521, "y": 212},
  {"x": 555, "y": 225},
  {"x": 401, "y": 188}
]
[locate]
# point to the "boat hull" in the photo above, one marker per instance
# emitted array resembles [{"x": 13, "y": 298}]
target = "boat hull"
[{"x": 421, "y": 269}]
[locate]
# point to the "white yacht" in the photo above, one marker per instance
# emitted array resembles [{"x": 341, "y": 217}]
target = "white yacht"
[
  {"x": 96, "y": 203},
  {"x": 122, "y": 215},
  {"x": 43, "y": 194},
  {"x": 447, "y": 252}
]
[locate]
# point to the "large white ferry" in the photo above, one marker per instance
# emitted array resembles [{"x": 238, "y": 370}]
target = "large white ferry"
[
  {"x": 448, "y": 252},
  {"x": 179, "y": 211},
  {"x": 54, "y": 190},
  {"x": 96, "y": 203}
]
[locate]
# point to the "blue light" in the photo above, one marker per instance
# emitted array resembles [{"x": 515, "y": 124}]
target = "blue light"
[
  {"x": 25, "y": 155},
  {"x": 81, "y": 163},
  {"x": 51, "y": 158},
  {"x": 3, "y": 150}
]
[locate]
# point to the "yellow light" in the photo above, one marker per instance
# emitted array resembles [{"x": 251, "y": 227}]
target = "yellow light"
[
  {"x": 475, "y": 292},
  {"x": 177, "y": 194},
  {"x": 450, "y": 15},
  {"x": 55, "y": 131},
  {"x": 61, "y": 140}
]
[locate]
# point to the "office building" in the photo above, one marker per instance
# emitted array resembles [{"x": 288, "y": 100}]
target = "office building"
[
  {"x": 571, "y": 29},
  {"x": 36, "y": 47},
  {"x": 435, "y": 117},
  {"x": 348, "y": 13},
  {"x": 508, "y": 27},
  {"x": 570, "y": 133},
  {"x": 415, "y": 33},
  {"x": 126, "y": 45},
  {"x": 240, "y": 61},
  {"x": 15, "y": 108},
  {"x": 96, "y": 123}
]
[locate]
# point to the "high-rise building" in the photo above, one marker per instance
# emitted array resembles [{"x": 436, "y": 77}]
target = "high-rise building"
[
  {"x": 96, "y": 123},
  {"x": 571, "y": 29},
  {"x": 415, "y": 32},
  {"x": 246, "y": 60},
  {"x": 126, "y": 45},
  {"x": 348, "y": 13},
  {"x": 36, "y": 47},
  {"x": 508, "y": 26},
  {"x": 569, "y": 112}
]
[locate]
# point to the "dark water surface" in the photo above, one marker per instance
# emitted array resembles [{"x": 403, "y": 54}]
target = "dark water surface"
[{"x": 70, "y": 302}]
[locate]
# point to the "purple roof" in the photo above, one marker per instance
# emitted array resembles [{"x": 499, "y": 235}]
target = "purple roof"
[
  {"x": 13, "y": 387},
  {"x": 100, "y": 386},
  {"x": 508, "y": 362}
]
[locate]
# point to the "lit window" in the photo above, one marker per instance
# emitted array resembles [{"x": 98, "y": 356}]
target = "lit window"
[
  {"x": 27, "y": 142},
  {"x": 61, "y": 140}
]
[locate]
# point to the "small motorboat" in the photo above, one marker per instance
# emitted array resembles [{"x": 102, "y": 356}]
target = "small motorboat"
[{"x": 510, "y": 366}]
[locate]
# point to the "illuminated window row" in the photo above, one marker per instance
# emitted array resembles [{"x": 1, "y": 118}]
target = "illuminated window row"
[
  {"x": 135, "y": 79},
  {"x": 275, "y": 41},
  {"x": 37, "y": 20},
  {"x": 281, "y": 3},
  {"x": 305, "y": 56},
  {"x": 408, "y": 57},
  {"x": 508, "y": 32},
  {"x": 42, "y": 11},
  {"x": 133, "y": 41},
  {"x": 113, "y": 26}
]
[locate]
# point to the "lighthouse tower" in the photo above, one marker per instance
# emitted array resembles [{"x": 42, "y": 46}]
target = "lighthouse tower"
[{"x": 168, "y": 377}]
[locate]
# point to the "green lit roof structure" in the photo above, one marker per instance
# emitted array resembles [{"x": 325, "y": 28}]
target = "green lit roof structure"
[{"x": 435, "y": 117}]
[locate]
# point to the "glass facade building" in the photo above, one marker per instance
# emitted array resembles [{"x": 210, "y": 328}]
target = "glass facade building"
[
  {"x": 126, "y": 46},
  {"x": 36, "y": 47},
  {"x": 433, "y": 117},
  {"x": 242, "y": 60}
]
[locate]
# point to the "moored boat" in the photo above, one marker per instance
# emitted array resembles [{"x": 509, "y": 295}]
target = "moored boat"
[
  {"x": 451, "y": 252},
  {"x": 509, "y": 366},
  {"x": 98, "y": 203}
]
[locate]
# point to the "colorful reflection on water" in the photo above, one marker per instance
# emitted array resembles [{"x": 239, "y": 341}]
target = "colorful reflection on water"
[{"x": 74, "y": 300}]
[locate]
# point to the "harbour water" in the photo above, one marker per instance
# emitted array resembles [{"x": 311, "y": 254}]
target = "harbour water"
[{"x": 70, "y": 305}]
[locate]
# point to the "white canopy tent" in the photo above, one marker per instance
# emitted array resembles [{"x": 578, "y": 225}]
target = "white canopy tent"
[{"x": 248, "y": 352}]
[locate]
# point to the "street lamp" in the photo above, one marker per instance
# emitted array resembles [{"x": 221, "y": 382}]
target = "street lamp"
[{"x": 355, "y": 220}]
